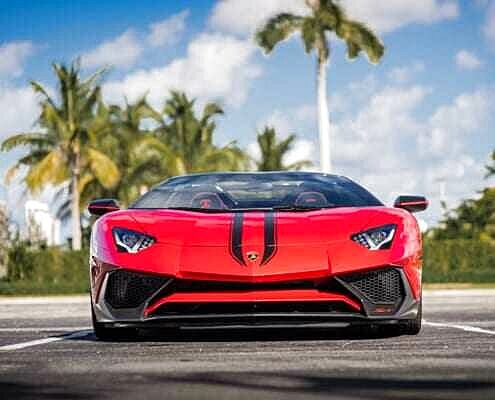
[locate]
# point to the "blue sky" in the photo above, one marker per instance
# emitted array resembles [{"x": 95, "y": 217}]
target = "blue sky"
[{"x": 423, "y": 116}]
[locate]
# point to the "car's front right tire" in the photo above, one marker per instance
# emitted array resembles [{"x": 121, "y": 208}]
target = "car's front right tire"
[{"x": 111, "y": 334}]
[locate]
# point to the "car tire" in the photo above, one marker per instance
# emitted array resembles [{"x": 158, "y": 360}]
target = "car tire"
[
  {"x": 111, "y": 334},
  {"x": 413, "y": 326}
]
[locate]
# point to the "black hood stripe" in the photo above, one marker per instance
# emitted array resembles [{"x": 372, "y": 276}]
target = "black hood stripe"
[
  {"x": 236, "y": 238},
  {"x": 270, "y": 245},
  {"x": 270, "y": 240}
]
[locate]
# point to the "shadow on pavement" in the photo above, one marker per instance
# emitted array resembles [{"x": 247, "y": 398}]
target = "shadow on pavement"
[
  {"x": 222, "y": 385},
  {"x": 246, "y": 335},
  {"x": 24, "y": 390},
  {"x": 334, "y": 387}
]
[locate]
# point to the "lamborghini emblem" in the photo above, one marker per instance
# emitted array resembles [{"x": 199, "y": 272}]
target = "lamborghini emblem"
[{"x": 252, "y": 256}]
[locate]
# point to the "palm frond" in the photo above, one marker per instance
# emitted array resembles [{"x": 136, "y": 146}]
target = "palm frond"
[
  {"x": 50, "y": 170},
  {"x": 277, "y": 29},
  {"x": 359, "y": 37},
  {"x": 103, "y": 168},
  {"x": 36, "y": 139}
]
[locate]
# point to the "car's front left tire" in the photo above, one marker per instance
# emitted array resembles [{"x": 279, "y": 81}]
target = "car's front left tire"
[{"x": 413, "y": 326}]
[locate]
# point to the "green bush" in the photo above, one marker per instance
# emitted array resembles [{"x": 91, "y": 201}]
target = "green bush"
[
  {"x": 458, "y": 260},
  {"x": 51, "y": 270}
]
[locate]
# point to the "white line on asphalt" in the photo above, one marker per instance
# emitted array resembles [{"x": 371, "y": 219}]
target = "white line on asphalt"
[
  {"x": 31, "y": 343},
  {"x": 466, "y": 328},
  {"x": 46, "y": 329}
]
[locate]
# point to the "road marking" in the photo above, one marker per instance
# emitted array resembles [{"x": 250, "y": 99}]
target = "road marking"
[
  {"x": 466, "y": 328},
  {"x": 51, "y": 339},
  {"x": 45, "y": 329}
]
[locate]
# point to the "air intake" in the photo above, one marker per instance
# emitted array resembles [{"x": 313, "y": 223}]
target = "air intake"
[
  {"x": 129, "y": 289},
  {"x": 383, "y": 286}
]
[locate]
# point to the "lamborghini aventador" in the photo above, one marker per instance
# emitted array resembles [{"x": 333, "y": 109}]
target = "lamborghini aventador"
[{"x": 270, "y": 250}]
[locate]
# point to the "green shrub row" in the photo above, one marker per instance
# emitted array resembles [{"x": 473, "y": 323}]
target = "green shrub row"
[
  {"x": 59, "y": 271},
  {"x": 458, "y": 260},
  {"x": 51, "y": 270}
]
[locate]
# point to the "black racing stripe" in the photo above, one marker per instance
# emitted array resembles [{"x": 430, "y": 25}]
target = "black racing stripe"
[
  {"x": 270, "y": 245},
  {"x": 236, "y": 238}
]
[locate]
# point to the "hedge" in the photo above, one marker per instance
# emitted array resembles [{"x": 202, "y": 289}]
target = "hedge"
[
  {"x": 459, "y": 260},
  {"x": 60, "y": 271},
  {"x": 51, "y": 270}
]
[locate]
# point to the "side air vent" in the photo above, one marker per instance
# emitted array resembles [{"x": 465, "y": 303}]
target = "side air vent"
[
  {"x": 383, "y": 286},
  {"x": 127, "y": 289}
]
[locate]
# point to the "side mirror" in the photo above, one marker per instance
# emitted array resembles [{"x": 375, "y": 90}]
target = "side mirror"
[
  {"x": 411, "y": 203},
  {"x": 103, "y": 206}
]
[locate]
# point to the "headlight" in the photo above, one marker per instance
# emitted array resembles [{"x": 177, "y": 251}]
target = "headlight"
[
  {"x": 131, "y": 241},
  {"x": 376, "y": 238}
]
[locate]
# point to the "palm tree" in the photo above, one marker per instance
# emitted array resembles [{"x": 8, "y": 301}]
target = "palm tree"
[
  {"x": 326, "y": 16},
  {"x": 66, "y": 149},
  {"x": 190, "y": 138},
  {"x": 274, "y": 151},
  {"x": 143, "y": 160},
  {"x": 491, "y": 168}
]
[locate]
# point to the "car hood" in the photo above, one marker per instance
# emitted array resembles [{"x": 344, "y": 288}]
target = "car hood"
[{"x": 290, "y": 228}]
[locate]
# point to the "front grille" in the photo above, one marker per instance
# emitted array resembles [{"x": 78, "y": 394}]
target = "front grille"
[
  {"x": 127, "y": 289},
  {"x": 196, "y": 286},
  {"x": 383, "y": 286},
  {"x": 239, "y": 308}
]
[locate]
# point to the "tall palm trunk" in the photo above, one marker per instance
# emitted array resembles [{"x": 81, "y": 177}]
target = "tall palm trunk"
[
  {"x": 75, "y": 207},
  {"x": 323, "y": 116}
]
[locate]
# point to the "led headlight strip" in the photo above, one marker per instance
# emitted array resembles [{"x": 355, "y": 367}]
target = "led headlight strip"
[
  {"x": 376, "y": 238},
  {"x": 131, "y": 241}
]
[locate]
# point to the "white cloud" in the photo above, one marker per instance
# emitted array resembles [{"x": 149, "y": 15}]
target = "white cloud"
[
  {"x": 406, "y": 73},
  {"x": 20, "y": 110},
  {"x": 386, "y": 116},
  {"x": 167, "y": 31},
  {"x": 12, "y": 57},
  {"x": 294, "y": 120},
  {"x": 244, "y": 17},
  {"x": 450, "y": 124},
  {"x": 123, "y": 51},
  {"x": 467, "y": 60},
  {"x": 389, "y": 15},
  {"x": 19, "y": 107},
  {"x": 386, "y": 142},
  {"x": 215, "y": 67},
  {"x": 280, "y": 121},
  {"x": 489, "y": 26},
  {"x": 302, "y": 150}
]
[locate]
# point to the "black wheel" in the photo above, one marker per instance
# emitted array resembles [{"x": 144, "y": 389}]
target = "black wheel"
[
  {"x": 413, "y": 326},
  {"x": 110, "y": 334}
]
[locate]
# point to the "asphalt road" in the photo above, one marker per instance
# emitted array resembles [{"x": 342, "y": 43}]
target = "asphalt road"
[{"x": 47, "y": 351}]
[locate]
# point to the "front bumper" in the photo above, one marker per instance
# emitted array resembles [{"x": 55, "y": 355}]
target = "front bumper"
[{"x": 377, "y": 296}]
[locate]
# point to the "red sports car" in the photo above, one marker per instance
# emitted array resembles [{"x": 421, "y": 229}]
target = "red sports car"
[{"x": 271, "y": 249}]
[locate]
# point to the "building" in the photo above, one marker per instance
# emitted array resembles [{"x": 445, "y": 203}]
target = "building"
[{"x": 41, "y": 224}]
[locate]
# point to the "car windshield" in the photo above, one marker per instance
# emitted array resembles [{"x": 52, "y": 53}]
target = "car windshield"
[{"x": 256, "y": 191}]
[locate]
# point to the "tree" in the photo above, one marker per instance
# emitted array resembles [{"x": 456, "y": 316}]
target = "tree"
[
  {"x": 190, "y": 138},
  {"x": 491, "y": 168},
  {"x": 273, "y": 152},
  {"x": 66, "y": 149},
  {"x": 326, "y": 16},
  {"x": 472, "y": 219},
  {"x": 4, "y": 239}
]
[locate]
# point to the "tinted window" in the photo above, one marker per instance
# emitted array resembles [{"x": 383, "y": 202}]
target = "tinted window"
[{"x": 257, "y": 191}]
